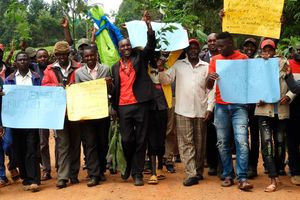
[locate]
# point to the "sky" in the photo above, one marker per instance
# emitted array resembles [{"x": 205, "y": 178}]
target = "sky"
[{"x": 109, "y": 5}]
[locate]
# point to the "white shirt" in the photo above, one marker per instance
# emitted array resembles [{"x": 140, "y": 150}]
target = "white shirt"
[
  {"x": 191, "y": 94},
  {"x": 93, "y": 72},
  {"x": 24, "y": 80},
  {"x": 65, "y": 72}
]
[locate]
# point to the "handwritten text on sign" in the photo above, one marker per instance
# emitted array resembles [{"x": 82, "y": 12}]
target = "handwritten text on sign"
[
  {"x": 33, "y": 107},
  {"x": 253, "y": 17},
  {"x": 87, "y": 100}
]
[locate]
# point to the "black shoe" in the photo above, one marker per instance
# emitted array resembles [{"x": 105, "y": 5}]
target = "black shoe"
[
  {"x": 212, "y": 171},
  {"x": 200, "y": 177},
  {"x": 147, "y": 167},
  {"x": 126, "y": 175},
  {"x": 138, "y": 180},
  {"x": 74, "y": 180},
  {"x": 170, "y": 168},
  {"x": 191, "y": 181},
  {"x": 61, "y": 184},
  {"x": 102, "y": 177},
  {"x": 282, "y": 172},
  {"x": 93, "y": 182},
  {"x": 177, "y": 159},
  {"x": 251, "y": 174}
]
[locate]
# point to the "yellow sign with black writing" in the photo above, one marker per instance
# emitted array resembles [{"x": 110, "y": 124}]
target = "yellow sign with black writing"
[
  {"x": 253, "y": 17},
  {"x": 87, "y": 100}
]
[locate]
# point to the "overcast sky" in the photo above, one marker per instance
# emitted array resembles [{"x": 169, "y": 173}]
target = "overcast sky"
[{"x": 109, "y": 5}]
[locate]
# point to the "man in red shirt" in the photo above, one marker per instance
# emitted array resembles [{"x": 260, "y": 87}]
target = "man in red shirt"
[
  {"x": 132, "y": 93},
  {"x": 226, "y": 113}
]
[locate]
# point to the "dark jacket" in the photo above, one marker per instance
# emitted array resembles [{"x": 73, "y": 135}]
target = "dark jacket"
[
  {"x": 142, "y": 86},
  {"x": 11, "y": 79}
]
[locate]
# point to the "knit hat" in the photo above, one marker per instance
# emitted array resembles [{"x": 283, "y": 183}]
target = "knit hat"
[{"x": 61, "y": 47}]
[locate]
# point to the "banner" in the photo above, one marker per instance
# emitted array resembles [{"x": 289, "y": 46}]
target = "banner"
[
  {"x": 253, "y": 17},
  {"x": 177, "y": 39},
  {"x": 249, "y": 81},
  {"x": 33, "y": 107},
  {"x": 87, "y": 100}
]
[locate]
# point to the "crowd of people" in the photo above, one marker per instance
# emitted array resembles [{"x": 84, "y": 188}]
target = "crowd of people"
[{"x": 167, "y": 104}]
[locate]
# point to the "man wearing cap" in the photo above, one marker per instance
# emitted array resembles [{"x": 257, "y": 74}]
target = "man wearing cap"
[
  {"x": 293, "y": 137},
  {"x": 226, "y": 114},
  {"x": 272, "y": 121},
  {"x": 62, "y": 73},
  {"x": 192, "y": 110},
  {"x": 250, "y": 49}
]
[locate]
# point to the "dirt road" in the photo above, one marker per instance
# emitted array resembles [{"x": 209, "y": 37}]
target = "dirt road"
[{"x": 168, "y": 189}]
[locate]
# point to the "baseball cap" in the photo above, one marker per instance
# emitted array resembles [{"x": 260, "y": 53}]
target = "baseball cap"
[
  {"x": 194, "y": 41},
  {"x": 268, "y": 42},
  {"x": 2, "y": 47},
  {"x": 83, "y": 41},
  {"x": 31, "y": 52},
  {"x": 251, "y": 40}
]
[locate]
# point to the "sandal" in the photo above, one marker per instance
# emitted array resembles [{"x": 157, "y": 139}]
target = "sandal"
[
  {"x": 153, "y": 180},
  {"x": 160, "y": 175},
  {"x": 271, "y": 188}
]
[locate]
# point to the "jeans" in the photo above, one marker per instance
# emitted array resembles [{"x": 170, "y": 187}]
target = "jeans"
[
  {"x": 237, "y": 116},
  {"x": 273, "y": 127}
]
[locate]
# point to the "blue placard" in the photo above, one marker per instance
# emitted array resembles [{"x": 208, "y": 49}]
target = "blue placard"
[
  {"x": 249, "y": 81},
  {"x": 40, "y": 107}
]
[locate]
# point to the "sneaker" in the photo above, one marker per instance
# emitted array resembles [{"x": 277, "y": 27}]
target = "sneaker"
[
  {"x": 170, "y": 168},
  {"x": 245, "y": 185},
  {"x": 61, "y": 184},
  {"x": 46, "y": 176},
  {"x": 93, "y": 182},
  {"x": 227, "y": 182},
  {"x": 295, "y": 180},
  {"x": 34, "y": 187},
  {"x": 191, "y": 181},
  {"x": 138, "y": 180}
]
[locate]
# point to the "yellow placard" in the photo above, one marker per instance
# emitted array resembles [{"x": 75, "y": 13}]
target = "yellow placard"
[
  {"x": 253, "y": 17},
  {"x": 87, "y": 100}
]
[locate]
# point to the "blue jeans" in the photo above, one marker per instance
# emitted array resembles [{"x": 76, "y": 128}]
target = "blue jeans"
[{"x": 236, "y": 114}]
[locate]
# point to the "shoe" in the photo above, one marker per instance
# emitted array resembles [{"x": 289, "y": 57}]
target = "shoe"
[
  {"x": 14, "y": 173},
  {"x": 200, "y": 177},
  {"x": 147, "y": 167},
  {"x": 34, "y": 188},
  {"x": 153, "y": 180},
  {"x": 126, "y": 175},
  {"x": 46, "y": 176},
  {"x": 191, "y": 181},
  {"x": 170, "y": 168},
  {"x": 74, "y": 180},
  {"x": 282, "y": 172},
  {"x": 138, "y": 180},
  {"x": 245, "y": 185},
  {"x": 61, "y": 184},
  {"x": 102, "y": 177},
  {"x": 295, "y": 180},
  {"x": 227, "y": 182},
  {"x": 251, "y": 174},
  {"x": 177, "y": 158},
  {"x": 93, "y": 182},
  {"x": 160, "y": 174},
  {"x": 212, "y": 171},
  {"x": 3, "y": 182}
]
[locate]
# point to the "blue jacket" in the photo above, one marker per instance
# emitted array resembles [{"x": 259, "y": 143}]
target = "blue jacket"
[{"x": 11, "y": 79}]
